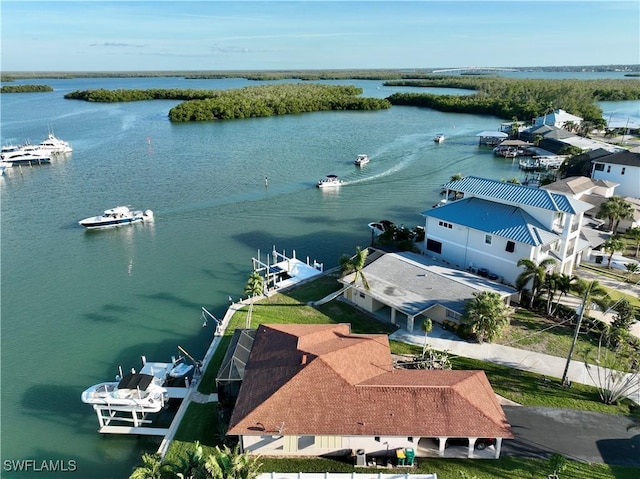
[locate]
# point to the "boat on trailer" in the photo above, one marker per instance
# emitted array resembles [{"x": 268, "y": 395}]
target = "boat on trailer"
[{"x": 118, "y": 216}]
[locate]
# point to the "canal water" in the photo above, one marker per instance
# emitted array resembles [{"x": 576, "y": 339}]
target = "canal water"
[{"x": 77, "y": 304}]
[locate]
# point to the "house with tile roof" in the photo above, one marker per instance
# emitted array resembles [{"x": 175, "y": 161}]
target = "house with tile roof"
[
  {"x": 312, "y": 390},
  {"x": 489, "y": 225},
  {"x": 406, "y": 288},
  {"x": 623, "y": 168}
]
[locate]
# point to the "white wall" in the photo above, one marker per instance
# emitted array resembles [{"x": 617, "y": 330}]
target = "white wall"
[{"x": 628, "y": 183}]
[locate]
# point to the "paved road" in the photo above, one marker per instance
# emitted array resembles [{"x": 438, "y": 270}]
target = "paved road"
[{"x": 587, "y": 436}]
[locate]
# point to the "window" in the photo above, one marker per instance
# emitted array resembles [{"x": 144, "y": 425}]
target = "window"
[
  {"x": 487, "y": 239},
  {"x": 377, "y": 438},
  {"x": 623, "y": 169},
  {"x": 609, "y": 169},
  {"x": 511, "y": 247},
  {"x": 599, "y": 167},
  {"x": 362, "y": 295},
  {"x": 444, "y": 224},
  {"x": 435, "y": 246}
]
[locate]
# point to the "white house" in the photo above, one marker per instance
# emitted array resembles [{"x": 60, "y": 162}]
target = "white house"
[
  {"x": 623, "y": 168},
  {"x": 558, "y": 118},
  {"x": 490, "y": 225}
]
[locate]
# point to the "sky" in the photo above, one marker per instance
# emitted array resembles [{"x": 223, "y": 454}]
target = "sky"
[{"x": 166, "y": 35}]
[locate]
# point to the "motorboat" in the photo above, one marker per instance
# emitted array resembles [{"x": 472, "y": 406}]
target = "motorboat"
[
  {"x": 377, "y": 228},
  {"x": 55, "y": 145},
  {"x": 361, "y": 160},
  {"x": 118, "y": 216},
  {"x": 135, "y": 390},
  {"x": 439, "y": 138},
  {"x": 329, "y": 181}
]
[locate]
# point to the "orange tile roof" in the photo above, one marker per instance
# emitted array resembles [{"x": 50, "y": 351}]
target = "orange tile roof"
[{"x": 323, "y": 380}]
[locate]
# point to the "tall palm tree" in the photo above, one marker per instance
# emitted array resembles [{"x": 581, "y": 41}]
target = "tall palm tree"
[
  {"x": 610, "y": 246},
  {"x": 254, "y": 287},
  {"x": 534, "y": 273},
  {"x": 615, "y": 209},
  {"x": 487, "y": 315},
  {"x": 563, "y": 284},
  {"x": 427, "y": 326},
  {"x": 634, "y": 235},
  {"x": 592, "y": 292},
  {"x": 355, "y": 264}
]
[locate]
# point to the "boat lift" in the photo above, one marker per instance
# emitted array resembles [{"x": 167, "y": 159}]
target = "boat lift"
[{"x": 281, "y": 271}]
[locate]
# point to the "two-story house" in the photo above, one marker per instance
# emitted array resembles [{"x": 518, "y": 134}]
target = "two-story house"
[
  {"x": 490, "y": 225},
  {"x": 623, "y": 168}
]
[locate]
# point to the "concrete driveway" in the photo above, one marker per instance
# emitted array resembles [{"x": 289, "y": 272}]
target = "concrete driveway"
[{"x": 587, "y": 436}]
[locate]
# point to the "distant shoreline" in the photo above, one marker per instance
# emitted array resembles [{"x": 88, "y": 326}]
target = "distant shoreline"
[{"x": 372, "y": 73}]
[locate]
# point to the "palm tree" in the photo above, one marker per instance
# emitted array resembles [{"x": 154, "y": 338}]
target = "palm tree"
[
  {"x": 534, "y": 273},
  {"x": 615, "y": 209},
  {"x": 427, "y": 326},
  {"x": 151, "y": 467},
  {"x": 610, "y": 246},
  {"x": 487, "y": 315},
  {"x": 254, "y": 287},
  {"x": 355, "y": 264},
  {"x": 232, "y": 464},
  {"x": 563, "y": 284},
  {"x": 592, "y": 292},
  {"x": 634, "y": 234}
]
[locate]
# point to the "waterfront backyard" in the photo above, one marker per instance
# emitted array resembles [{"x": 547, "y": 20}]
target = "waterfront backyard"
[{"x": 203, "y": 422}]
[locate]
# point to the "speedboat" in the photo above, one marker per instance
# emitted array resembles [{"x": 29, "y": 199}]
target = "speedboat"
[
  {"x": 361, "y": 160},
  {"x": 439, "y": 138},
  {"x": 135, "y": 390},
  {"x": 121, "y": 215},
  {"x": 381, "y": 226},
  {"x": 55, "y": 145},
  {"x": 329, "y": 181}
]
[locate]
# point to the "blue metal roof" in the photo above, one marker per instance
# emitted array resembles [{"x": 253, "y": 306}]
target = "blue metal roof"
[
  {"x": 494, "y": 218},
  {"x": 517, "y": 194}
]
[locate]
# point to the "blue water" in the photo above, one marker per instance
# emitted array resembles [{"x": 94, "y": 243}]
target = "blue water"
[{"x": 77, "y": 304}]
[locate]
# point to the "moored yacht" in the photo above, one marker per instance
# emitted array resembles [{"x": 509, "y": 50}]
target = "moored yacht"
[
  {"x": 55, "y": 145},
  {"x": 120, "y": 215}
]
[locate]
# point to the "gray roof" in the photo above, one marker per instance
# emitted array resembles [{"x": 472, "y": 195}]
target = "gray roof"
[
  {"x": 497, "y": 219},
  {"x": 626, "y": 157},
  {"x": 518, "y": 194},
  {"x": 413, "y": 283}
]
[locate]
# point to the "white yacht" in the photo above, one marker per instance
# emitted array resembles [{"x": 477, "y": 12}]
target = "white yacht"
[
  {"x": 120, "y": 215},
  {"x": 330, "y": 181},
  {"x": 25, "y": 155},
  {"x": 361, "y": 160},
  {"x": 55, "y": 145},
  {"x": 439, "y": 138}
]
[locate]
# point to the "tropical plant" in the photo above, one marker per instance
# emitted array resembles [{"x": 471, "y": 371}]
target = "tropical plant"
[
  {"x": 229, "y": 463},
  {"x": 432, "y": 359},
  {"x": 355, "y": 264},
  {"x": 254, "y": 287},
  {"x": 487, "y": 315},
  {"x": 634, "y": 235},
  {"x": 558, "y": 463},
  {"x": 615, "y": 209},
  {"x": 427, "y": 326},
  {"x": 632, "y": 268},
  {"x": 192, "y": 465},
  {"x": 456, "y": 177},
  {"x": 151, "y": 468},
  {"x": 625, "y": 317},
  {"x": 534, "y": 273},
  {"x": 557, "y": 286},
  {"x": 591, "y": 292},
  {"x": 617, "y": 374},
  {"x": 610, "y": 246}
]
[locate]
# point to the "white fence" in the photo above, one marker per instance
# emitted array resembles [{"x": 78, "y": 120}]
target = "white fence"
[{"x": 337, "y": 475}]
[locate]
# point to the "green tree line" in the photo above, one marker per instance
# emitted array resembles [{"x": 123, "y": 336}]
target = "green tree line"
[
  {"x": 24, "y": 88},
  {"x": 509, "y": 98},
  {"x": 270, "y": 100},
  {"x": 102, "y": 95}
]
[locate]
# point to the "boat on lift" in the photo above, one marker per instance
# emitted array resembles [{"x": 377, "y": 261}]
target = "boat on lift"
[
  {"x": 135, "y": 390},
  {"x": 118, "y": 216}
]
